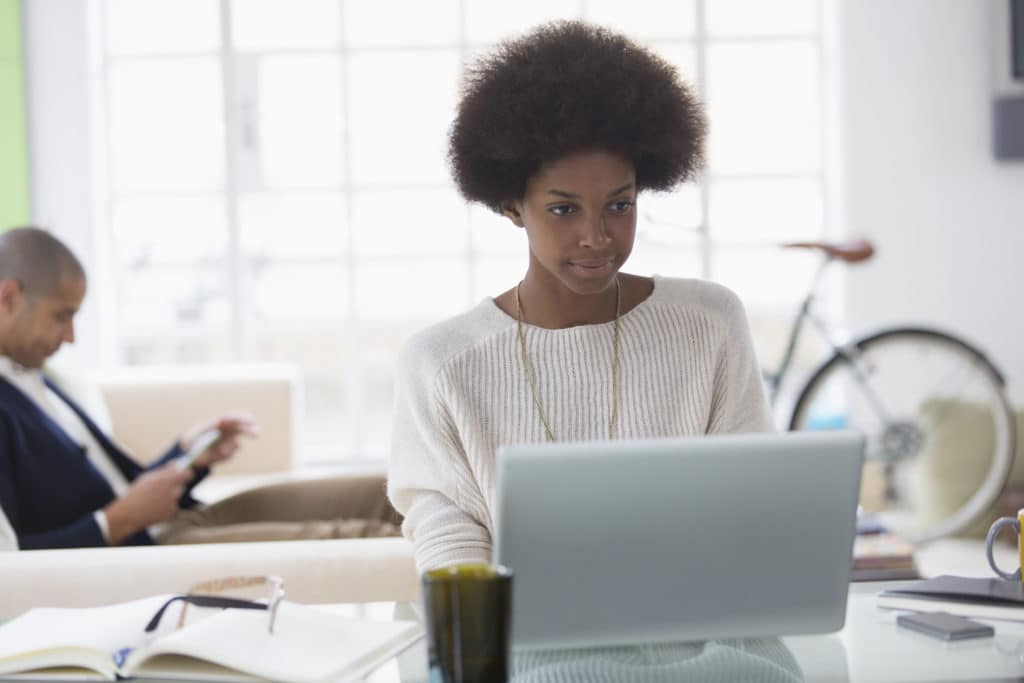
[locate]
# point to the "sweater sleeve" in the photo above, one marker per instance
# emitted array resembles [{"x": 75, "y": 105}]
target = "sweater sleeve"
[
  {"x": 429, "y": 478},
  {"x": 738, "y": 402}
]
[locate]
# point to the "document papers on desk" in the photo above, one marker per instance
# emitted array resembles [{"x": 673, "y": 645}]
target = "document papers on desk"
[
  {"x": 968, "y": 597},
  {"x": 308, "y": 644}
]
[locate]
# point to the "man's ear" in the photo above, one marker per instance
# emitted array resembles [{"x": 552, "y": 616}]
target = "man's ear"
[
  {"x": 513, "y": 211},
  {"x": 10, "y": 294}
]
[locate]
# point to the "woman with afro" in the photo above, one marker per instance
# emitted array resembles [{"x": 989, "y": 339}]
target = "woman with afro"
[{"x": 560, "y": 131}]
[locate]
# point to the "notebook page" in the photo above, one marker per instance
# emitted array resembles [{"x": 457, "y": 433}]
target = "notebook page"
[
  {"x": 308, "y": 644},
  {"x": 85, "y": 637}
]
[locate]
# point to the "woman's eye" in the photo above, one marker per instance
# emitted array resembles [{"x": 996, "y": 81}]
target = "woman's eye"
[
  {"x": 562, "y": 209},
  {"x": 622, "y": 206}
]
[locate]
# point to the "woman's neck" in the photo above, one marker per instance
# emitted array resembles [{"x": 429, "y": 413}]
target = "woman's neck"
[
  {"x": 556, "y": 307},
  {"x": 548, "y": 303}
]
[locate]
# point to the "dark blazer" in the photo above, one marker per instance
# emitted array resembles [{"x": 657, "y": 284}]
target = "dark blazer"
[{"x": 49, "y": 489}]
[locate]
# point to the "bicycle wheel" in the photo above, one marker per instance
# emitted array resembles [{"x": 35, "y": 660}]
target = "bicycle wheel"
[{"x": 940, "y": 432}]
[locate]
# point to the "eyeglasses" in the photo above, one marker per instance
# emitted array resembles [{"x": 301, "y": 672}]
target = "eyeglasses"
[{"x": 201, "y": 595}]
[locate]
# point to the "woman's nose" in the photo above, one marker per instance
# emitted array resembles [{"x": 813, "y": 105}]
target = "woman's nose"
[{"x": 595, "y": 233}]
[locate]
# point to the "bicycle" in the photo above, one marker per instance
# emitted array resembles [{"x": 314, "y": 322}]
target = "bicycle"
[{"x": 899, "y": 386}]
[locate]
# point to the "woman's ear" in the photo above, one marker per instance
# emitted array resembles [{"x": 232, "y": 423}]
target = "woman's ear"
[{"x": 513, "y": 211}]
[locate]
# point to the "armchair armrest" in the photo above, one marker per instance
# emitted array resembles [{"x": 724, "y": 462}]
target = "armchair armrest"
[{"x": 333, "y": 571}]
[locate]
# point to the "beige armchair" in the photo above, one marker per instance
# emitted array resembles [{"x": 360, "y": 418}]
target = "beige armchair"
[
  {"x": 145, "y": 409},
  {"x": 150, "y": 406}
]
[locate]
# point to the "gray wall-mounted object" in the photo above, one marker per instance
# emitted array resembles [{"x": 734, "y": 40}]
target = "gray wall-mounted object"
[
  {"x": 1008, "y": 79},
  {"x": 1017, "y": 38},
  {"x": 1008, "y": 127}
]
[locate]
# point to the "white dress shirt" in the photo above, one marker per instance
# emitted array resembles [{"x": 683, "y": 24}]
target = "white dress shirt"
[
  {"x": 30, "y": 382},
  {"x": 8, "y": 539}
]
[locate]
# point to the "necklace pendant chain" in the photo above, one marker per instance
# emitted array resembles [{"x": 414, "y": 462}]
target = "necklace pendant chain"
[{"x": 532, "y": 381}]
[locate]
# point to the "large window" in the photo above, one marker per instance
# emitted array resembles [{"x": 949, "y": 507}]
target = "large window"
[{"x": 278, "y": 188}]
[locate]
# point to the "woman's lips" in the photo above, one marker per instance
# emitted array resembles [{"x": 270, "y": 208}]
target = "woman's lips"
[{"x": 593, "y": 266}]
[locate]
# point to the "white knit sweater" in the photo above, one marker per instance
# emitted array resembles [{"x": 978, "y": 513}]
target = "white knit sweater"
[{"x": 687, "y": 367}]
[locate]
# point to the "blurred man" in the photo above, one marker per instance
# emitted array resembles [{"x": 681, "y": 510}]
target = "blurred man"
[{"x": 64, "y": 483}]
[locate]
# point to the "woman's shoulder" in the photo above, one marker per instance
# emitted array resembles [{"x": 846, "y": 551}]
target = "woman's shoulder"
[
  {"x": 699, "y": 296},
  {"x": 429, "y": 349}
]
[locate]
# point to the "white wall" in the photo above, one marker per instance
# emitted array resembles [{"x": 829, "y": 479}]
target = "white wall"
[{"x": 918, "y": 175}]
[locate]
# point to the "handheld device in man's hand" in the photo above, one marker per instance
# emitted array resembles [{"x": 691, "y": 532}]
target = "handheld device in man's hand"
[
  {"x": 199, "y": 446},
  {"x": 945, "y": 626}
]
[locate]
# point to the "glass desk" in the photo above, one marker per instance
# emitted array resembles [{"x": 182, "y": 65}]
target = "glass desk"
[{"x": 870, "y": 648}]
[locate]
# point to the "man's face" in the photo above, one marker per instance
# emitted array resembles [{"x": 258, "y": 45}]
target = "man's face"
[{"x": 40, "y": 324}]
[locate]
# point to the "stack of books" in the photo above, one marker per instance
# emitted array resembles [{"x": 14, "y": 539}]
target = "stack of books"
[{"x": 883, "y": 556}]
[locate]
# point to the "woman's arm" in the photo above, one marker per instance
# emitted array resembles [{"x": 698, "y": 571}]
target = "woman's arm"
[
  {"x": 442, "y": 533},
  {"x": 429, "y": 478},
  {"x": 738, "y": 401}
]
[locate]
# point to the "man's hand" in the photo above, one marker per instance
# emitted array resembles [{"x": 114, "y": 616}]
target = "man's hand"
[
  {"x": 152, "y": 497},
  {"x": 231, "y": 427}
]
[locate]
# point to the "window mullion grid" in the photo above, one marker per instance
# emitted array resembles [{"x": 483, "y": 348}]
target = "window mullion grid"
[
  {"x": 711, "y": 247},
  {"x": 703, "y": 182},
  {"x": 471, "y": 253},
  {"x": 833, "y": 292},
  {"x": 232, "y": 126},
  {"x": 117, "y": 324},
  {"x": 354, "y": 379}
]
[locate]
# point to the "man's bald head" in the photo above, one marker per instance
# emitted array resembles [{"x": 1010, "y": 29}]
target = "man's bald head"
[
  {"x": 37, "y": 260},
  {"x": 42, "y": 286}
]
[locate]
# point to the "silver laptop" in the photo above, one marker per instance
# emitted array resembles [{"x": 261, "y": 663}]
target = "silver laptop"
[{"x": 678, "y": 539}]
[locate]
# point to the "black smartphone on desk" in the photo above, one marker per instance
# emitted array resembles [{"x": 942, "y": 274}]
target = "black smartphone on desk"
[{"x": 945, "y": 626}]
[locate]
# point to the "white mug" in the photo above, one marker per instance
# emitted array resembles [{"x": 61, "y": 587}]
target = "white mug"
[{"x": 1015, "y": 522}]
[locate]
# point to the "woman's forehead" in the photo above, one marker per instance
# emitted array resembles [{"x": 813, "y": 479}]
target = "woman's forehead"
[{"x": 590, "y": 170}]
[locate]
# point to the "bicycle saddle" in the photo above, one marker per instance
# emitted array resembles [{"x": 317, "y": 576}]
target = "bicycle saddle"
[{"x": 851, "y": 252}]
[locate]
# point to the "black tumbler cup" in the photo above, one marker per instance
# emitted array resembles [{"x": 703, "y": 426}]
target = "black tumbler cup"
[{"x": 468, "y": 611}]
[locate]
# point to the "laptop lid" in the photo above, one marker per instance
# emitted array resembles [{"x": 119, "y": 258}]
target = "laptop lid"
[{"x": 678, "y": 539}]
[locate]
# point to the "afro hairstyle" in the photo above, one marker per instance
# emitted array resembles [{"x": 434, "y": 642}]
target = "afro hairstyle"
[{"x": 565, "y": 87}]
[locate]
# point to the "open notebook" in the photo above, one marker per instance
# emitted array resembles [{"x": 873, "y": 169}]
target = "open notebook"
[{"x": 308, "y": 644}]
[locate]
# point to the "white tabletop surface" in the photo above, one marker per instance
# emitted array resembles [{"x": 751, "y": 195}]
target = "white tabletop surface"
[{"x": 871, "y": 648}]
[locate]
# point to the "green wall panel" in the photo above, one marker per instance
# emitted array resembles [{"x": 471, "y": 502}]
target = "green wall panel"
[
  {"x": 14, "y": 194},
  {"x": 10, "y": 29}
]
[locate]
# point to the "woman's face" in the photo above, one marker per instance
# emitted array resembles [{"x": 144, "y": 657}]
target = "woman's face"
[{"x": 580, "y": 218}]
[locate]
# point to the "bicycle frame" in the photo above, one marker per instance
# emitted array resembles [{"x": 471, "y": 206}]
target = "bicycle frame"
[
  {"x": 805, "y": 312},
  {"x": 848, "y": 351}
]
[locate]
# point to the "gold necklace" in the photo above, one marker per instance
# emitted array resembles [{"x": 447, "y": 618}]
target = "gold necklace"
[{"x": 615, "y": 364}]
